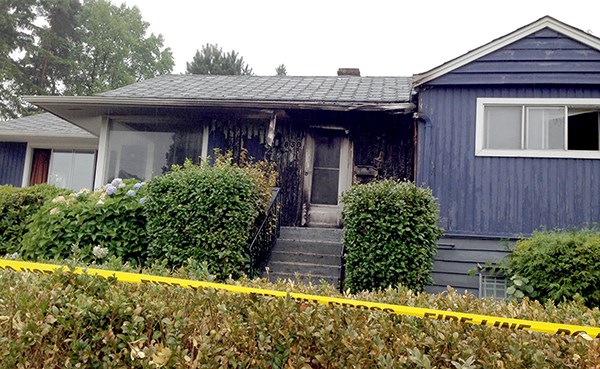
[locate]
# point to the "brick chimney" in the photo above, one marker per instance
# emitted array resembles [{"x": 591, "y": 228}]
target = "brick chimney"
[{"x": 349, "y": 72}]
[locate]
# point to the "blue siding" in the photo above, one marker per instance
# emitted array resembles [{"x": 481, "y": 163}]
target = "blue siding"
[
  {"x": 12, "y": 161},
  {"x": 495, "y": 196},
  {"x": 545, "y": 57}
]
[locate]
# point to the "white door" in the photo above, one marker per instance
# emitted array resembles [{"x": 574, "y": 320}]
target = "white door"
[{"x": 327, "y": 175}]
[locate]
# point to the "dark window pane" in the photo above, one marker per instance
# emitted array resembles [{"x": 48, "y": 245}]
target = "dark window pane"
[
  {"x": 325, "y": 186},
  {"x": 583, "y": 130},
  {"x": 327, "y": 150}
]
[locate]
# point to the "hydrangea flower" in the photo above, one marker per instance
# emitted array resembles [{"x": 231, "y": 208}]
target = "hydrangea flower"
[
  {"x": 100, "y": 252},
  {"x": 111, "y": 189},
  {"x": 142, "y": 200},
  {"x": 117, "y": 182},
  {"x": 82, "y": 192},
  {"x": 137, "y": 186},
  {"x": 131, "y": 193},
  {"x": 58, "y": 199}
]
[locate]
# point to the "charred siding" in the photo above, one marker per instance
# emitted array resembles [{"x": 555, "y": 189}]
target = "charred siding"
[{"x": 382, "y": 141}]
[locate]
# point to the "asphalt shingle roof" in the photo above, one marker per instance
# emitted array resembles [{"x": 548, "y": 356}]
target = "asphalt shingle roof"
[
  {"x": 274, "y": 88},
  {"x": 42, "y": 124}
]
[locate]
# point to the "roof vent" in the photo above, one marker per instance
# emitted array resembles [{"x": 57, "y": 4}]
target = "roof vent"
[{"x": 349, "y": 72}]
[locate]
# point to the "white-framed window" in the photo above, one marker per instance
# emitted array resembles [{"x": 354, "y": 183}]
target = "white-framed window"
[
  {"x": 492, "y": 286},
  {"x": 146, "y": 147},
  {"x": 67, "y": 168},
  {"x": 72, "y": 169},
  {"x": 560, "y": 128}
]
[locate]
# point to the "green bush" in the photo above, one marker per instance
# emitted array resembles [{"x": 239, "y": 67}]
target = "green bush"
[
  {"x": 391, "y": 230},
  {"x": 17, "y": 205},
  {"x": 207, "y": 213},
  {"x": 67, "y": 321},
  {"x": 90, "y": 225},
  {"x": 559, "y": 265}
]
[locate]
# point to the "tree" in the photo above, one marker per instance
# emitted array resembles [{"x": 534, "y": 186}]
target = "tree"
[
  {"x": 51, "y": 60},
  {"x": 68, "y": 47},
  {"x": 16, "y": 24},
  {"x": 113, "y": 50},
  {"x": 281, "y": 70},
  {"x": 212, "y": 60}
]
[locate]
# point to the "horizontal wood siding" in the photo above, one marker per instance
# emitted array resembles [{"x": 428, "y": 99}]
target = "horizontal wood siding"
[
  {"x": 498, "y": 196},
  {"x": 12, "y": 161},
  {"x": 456, "y": 257},
  {"x": 543, "y": 57}
]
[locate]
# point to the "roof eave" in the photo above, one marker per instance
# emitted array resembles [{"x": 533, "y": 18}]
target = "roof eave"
[
  {"x": 544, "y": 22},
  {"x": 77, "y": 102}
]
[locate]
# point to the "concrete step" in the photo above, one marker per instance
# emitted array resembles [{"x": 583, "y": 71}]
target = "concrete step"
[
  {"x": 303, "y": 257},
  {"x": 308, "y": 247},
  {"x": 303, "y": 278},
  {"x": 304, "y": 268},
  {"x": 307, "y": 254},
  {"x": 311, "y": 234}
]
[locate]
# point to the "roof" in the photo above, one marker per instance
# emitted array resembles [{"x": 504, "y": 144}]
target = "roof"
[
  {"x": 44, "y": 124},
  {"x": 544, "y": 22},
  {"x": 270, "y": 88}
]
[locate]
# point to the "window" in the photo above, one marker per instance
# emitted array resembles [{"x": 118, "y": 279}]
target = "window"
[
  {"x": 72, "y": 169},
  {"x": 492, "y": 286},
  {"x": 492, "y": 282},
  {"x": 565, "y": 128},
  {"x": 143, "y": 150}
]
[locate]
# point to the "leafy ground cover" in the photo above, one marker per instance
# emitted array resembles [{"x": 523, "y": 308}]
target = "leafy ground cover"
[{"x": 69, "y": 321}]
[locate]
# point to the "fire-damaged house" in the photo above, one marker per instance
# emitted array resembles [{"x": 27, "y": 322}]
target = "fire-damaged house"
[{"x": 506, "y": 136}]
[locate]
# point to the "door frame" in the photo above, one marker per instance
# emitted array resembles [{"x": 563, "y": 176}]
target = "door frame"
[{"x": 344, "y": 180}]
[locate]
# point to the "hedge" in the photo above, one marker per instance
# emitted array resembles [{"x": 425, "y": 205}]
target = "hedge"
[
  {"x": 70, "y": 321},
  {"x": 558, "y": 265},
  {"x": 391, "y": 230},
  {"x": 90, "y": 225},
  {"x": 17, "y": 206},
  {"x": 207, "y": 213}
]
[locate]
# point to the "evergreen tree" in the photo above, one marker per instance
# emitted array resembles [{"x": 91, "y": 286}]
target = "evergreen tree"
[
  {"x": 68, "y": 47},
  {"x": 16, "y": 28},
  {"x": 212, "y": 60},
  {"x": 281, "y": 70}
]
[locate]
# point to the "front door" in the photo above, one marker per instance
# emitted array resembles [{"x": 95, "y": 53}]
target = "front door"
[{"x": 327, "y": 175}]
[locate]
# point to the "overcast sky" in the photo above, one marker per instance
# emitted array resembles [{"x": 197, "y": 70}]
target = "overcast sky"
[{"x": 316, "y": 37}]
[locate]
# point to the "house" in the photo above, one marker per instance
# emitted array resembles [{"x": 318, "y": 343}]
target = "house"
[
  {"x": 506, "y": 136},
  {"x": 320, "y": 131},
  {"x": 44, "y": 148},
  {"x": 509, "y": 143}
]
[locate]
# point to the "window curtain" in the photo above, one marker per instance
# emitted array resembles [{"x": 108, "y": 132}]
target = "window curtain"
[{"x": 40, "y": 166}]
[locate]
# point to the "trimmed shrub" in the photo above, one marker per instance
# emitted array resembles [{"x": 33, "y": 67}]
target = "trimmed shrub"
[
  {"x": 90, "y": 225},
  {"x": 207, "y": 213},
  {"x": 67, "y": 321},
  {"x": 391, "y": 230},
  {"x": 559, "y": 265},
  {"x": 17, "y": 205}
]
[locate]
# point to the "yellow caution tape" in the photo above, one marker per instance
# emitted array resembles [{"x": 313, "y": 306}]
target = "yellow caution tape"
[{"x": 484, "y": 320}]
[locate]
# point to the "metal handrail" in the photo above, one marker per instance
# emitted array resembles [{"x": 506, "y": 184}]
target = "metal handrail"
[{"x": 266, "y": 234}]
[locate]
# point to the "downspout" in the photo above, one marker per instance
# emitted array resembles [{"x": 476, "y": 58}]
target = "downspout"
[{"x": 421, "y": 122}]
